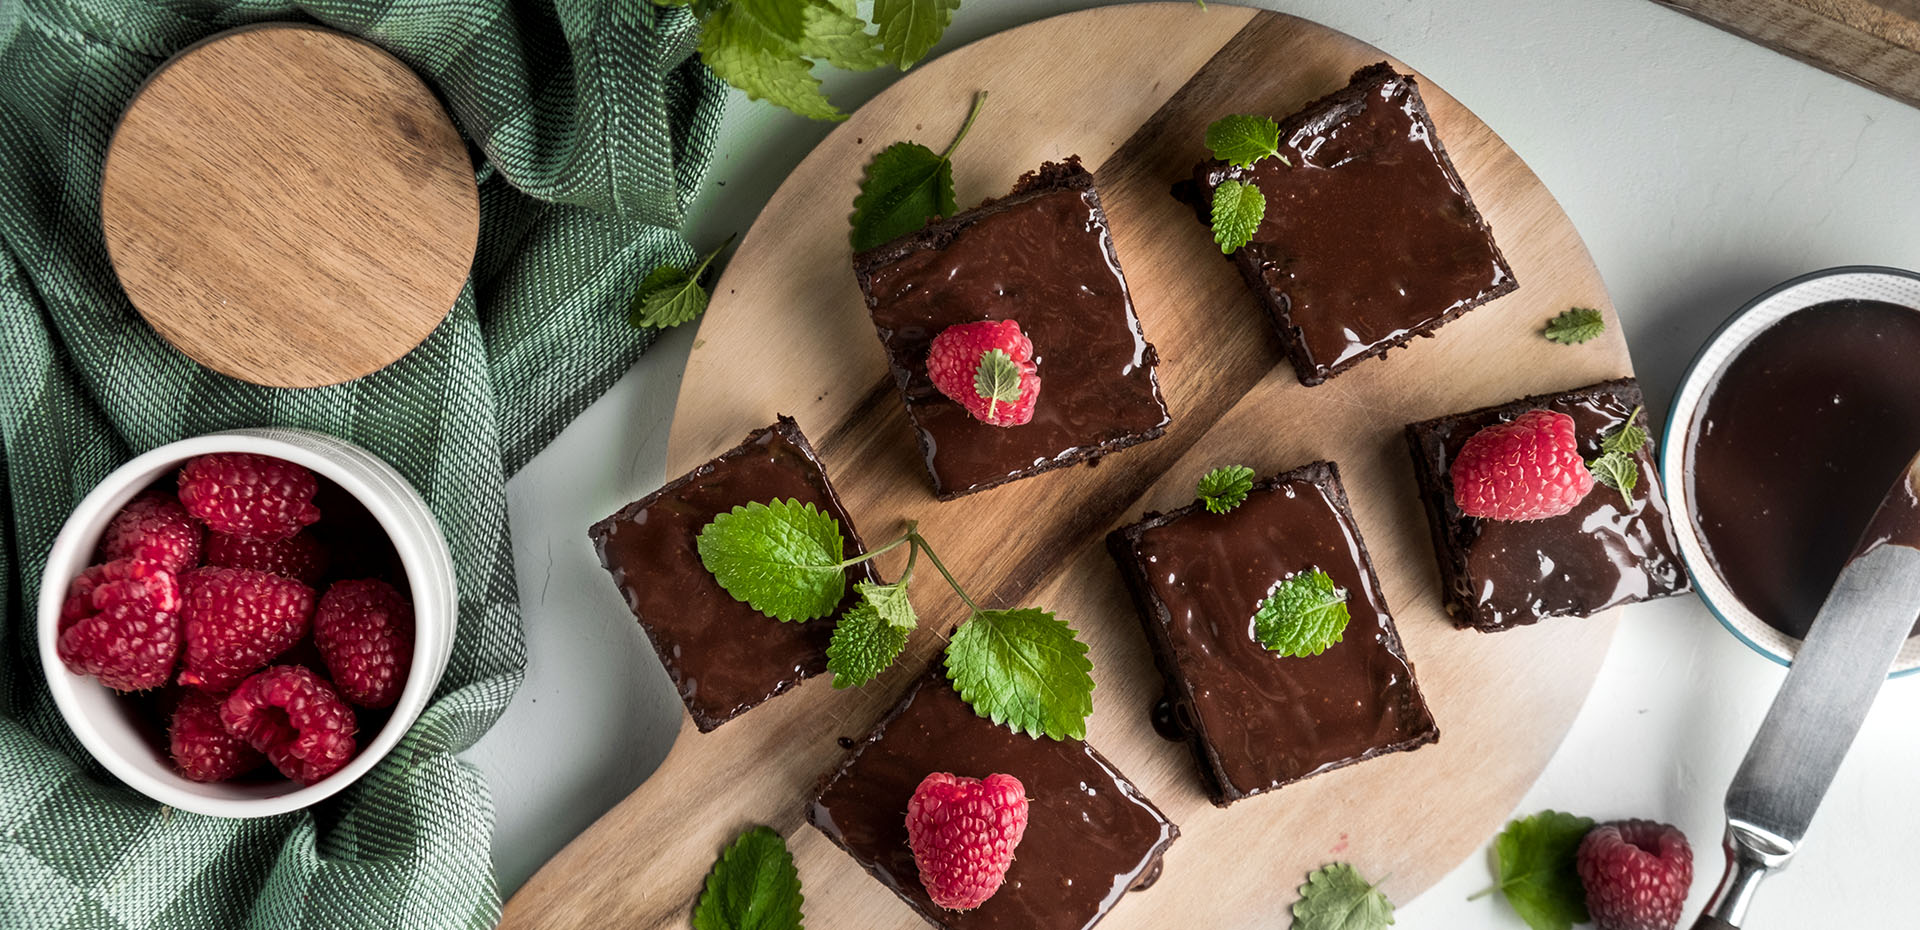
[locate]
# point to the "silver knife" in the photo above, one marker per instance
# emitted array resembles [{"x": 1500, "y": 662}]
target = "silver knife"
[{"x": 1834, "y": 679}]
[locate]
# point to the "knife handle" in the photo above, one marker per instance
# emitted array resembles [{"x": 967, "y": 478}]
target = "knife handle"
[{"x": 1710, "y": 922}]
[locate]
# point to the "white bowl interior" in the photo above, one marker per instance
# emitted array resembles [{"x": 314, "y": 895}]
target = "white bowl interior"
[
  {"x": 105, "y": 722},
  {"x": 1689, "y": 404}
]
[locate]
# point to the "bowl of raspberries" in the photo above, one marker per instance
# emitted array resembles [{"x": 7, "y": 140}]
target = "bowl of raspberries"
[{"x": 242, "y": 624}]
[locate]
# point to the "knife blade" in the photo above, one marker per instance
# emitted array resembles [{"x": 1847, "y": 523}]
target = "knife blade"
[{"x": 1835, "y": 677}]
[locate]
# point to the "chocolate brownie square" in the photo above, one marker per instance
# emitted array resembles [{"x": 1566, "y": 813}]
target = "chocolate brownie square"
[
  {"x": 1043, "y": 257},
  {"x": 1369, "y": 237},
  {"x": 724, "y": 657},
  {"x": 1499, "y": 574},
  {"x": 1255, "y": 719}
]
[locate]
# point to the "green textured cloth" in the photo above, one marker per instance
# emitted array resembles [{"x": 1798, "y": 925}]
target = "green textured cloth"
[{"x": 592, "y": 126}]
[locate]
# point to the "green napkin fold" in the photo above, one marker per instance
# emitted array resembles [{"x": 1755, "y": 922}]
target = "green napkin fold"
[{"x": 593, "y": 126}]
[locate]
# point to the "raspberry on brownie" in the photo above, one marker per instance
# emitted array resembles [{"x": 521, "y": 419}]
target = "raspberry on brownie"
[{"x": 1603, "y": 552}]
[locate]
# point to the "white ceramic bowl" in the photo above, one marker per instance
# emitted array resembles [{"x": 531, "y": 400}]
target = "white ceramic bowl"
[
  {"x": 1853, "y": 282},
  {"x": 104, "y": 721}
]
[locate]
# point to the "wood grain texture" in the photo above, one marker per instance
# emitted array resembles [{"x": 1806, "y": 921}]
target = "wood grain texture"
[
  {"x": 289, "y": 206},
  {"x": 1874, "y": 43},
  {"x": 1130, "y": 89}
]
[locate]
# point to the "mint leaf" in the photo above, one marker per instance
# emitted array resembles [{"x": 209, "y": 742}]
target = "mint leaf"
[
  {"x": 1336, "y": 898},
  {"x": 752, "y": 886},
  {"x": 782, "y": 559},
  {"x": 1628, "y": 439},
  {"x": 1302, "y": 615},
  {"x": 871, "y": 635},
  {"x": 997, "y": 380},
  {"x": 1240, "y": 140},
  {"x": 833, "y": 32},
  {"x": 1023, "y": 669},
  {"x": 1575, "y": 326},
  {"x": 905, "y": 184},
  {"x": 777, "y": 75},
  {"x": 1237, "y": 211},
  {"x": 1537, "y": 869},
  {"x": 670, "y": 296},
  {"x": 1225, "y": 488},
  {"x": 909, "y": 28},
  {"x": 1618, "y": 471}
]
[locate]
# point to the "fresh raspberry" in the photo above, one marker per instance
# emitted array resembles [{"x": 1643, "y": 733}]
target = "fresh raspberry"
[
  {"x": 202, "y": 748},
  {"x": 1636, "y": 873},
  {"x": 236, "y": 620},
  {"x": 242, "y": 494},
  {"x": 153, "y": 528},
  {"x": 364, "y": 630},
  {"x": 954, "y": 359},
  {"x": 121, "y": 624},
  {"x": 963, "y": 831},
  {"x": 296, "y": 718},
  {"x": 1526, "y": 469},
  {"x": 300, "y": 556}
]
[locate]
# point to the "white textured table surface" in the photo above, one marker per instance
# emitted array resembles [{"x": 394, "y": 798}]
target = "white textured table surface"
[{"x": 1699, "y": 168}]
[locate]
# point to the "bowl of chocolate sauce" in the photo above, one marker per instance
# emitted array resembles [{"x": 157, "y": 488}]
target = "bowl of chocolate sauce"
[{"x": 1783, "y": 438}]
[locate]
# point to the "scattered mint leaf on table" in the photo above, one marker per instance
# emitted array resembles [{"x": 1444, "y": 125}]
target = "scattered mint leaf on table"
[
  {"x": 1225, "y": 488},
  {"x": 1302, "y": 616},
  {"x": 1237, "y": 211},
  {"x": 905, "y": 184},
  {"x": 1575, "y": 326},
  {"x": 671, "y": 295},
  {"x": 752, "y": 886},
  {"x": 1336, "y": 898},
  {"x": 832, "y": 31},
  {"x": 1240, "y": 139},
  {"x": 909, "y": 28},
  {"x": 783, "y": 559},
  {"x": 1538, "y": 874},
  {"x": 1024, "y": 669},
  {"x": 871, "y": 634}
]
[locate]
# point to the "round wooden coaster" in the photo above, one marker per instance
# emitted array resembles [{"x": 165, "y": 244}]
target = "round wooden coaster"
[{"x": 290, "y": 206}]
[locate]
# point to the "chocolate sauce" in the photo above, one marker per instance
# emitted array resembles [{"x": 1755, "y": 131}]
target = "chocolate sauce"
[
  {"x": 1797, "y": 443},
  {"x": 1604, "y": 553},
  {"x": 1369, "y": 236},
  {"x": 724, "y": 656},
  {"x": 1263, "y": 719},
  {"x": 1091, "y": 836},
  {"x": 1045, "y": 259}
]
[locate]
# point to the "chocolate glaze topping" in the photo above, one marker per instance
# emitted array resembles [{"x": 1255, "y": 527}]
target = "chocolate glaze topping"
[
  {"x": 1795, "y": 447},
  {"x": 1369, "y": 237},
  {"x": 1091, "y": 836},
  {"x": 1500, "y": 574},
  {"x": 1042, "y": 256},
  {"x": 724, "y": 656},
  {"x": 1258, "y": 720}
]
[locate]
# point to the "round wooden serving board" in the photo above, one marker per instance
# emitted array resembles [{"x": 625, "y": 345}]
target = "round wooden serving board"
[
  {"x": 1130, "y": 89},
  {"x": 289, "y": 205}
]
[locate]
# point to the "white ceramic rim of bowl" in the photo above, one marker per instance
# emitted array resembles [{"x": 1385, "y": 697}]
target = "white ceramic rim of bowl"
[
  {"x": 111, "y": 736},
  {"x": 1849, "y": 282}
]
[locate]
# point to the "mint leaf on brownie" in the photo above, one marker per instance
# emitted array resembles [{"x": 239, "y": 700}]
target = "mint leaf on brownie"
[
  {"x": 1237, "y": 211},
  {"x": 752, "y": 886},
  {"x": 871, "y": 634},
  {"x": 1628, "y": 439},
  {"x": 1335, "y": 897},
  {"x": 1302, "y": 616},
  {"x": 1539, "y": 875},
  {"x": 1240, "y": 140},
  {"x": 1225, "y": 488},
  {"x": 1024, "y": 669},
  {"x": 1575, "y": 326},
  {"x": 783, "y": 559}
]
